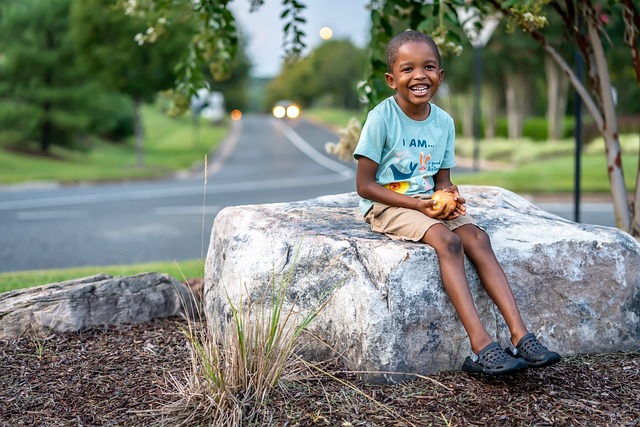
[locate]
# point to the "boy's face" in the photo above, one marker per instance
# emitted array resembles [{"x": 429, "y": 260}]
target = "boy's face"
[{"x": 415, "y": 76}]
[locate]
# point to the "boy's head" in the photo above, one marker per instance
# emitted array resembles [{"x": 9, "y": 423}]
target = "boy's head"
[{"x": 404, "y": 37}]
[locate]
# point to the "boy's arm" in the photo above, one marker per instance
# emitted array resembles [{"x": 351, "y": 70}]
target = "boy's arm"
[{"x": 368, "y": 188}]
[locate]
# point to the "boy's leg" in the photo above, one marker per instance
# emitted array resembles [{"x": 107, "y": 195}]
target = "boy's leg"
[
  {"x": 477, "y": 247},
  {"x": 448, "y": 246}
]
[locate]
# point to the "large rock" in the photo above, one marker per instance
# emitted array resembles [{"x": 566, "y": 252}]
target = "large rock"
[
  {"x": 92, "y": 301},
  {"x": 578, "y": 286}
]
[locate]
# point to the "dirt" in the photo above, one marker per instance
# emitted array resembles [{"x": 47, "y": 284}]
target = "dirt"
[{"x": 119, "y": 376}]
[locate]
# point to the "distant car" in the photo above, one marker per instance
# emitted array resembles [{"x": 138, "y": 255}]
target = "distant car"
[{"x": 286, "y": 109}]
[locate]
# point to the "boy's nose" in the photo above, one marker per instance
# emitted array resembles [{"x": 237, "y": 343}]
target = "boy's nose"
[{"x": 420, "y": 73}]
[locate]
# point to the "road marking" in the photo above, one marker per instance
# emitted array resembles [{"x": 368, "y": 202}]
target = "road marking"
[
  {"x": 311, "y": 152},
  {"x": 30, "y": 216},
  {"x": 161, "y": 193}
]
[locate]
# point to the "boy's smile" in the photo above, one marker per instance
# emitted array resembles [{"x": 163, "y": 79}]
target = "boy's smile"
[{"x": 416, "y": 76}]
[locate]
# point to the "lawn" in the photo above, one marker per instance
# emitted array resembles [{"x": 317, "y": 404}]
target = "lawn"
[{"x": 170, "y": 144}]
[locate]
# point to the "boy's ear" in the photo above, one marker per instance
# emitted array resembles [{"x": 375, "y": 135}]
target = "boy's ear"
[
  {"x": 390, "y": 80},
  {"x": 441, "y": 76}
]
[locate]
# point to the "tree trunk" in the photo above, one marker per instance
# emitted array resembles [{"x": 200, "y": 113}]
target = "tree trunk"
[
  {"x": 557, "y": 91},
  {"x": 609, "y": 131},
  {"x": 515, "y": 87},
  {"x": 139, "y": 133},
  {"x": 605, "y": 118},
  {"x": 464, "y": 108},
  {"x": 490, "y": 110},
  {"x": 635, "y": 220},
  {"x": 46, "y": 127}
]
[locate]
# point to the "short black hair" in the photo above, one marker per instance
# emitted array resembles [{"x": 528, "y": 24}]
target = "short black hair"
[{"x": 404, "y": 37}]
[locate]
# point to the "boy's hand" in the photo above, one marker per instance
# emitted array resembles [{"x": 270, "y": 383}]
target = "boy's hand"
[
  {"x": 461, "y": 209},
  {"x": 444, "y": 213}
]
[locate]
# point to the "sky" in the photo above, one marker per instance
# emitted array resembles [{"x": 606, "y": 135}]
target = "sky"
[{"x": 349, "y": 19}]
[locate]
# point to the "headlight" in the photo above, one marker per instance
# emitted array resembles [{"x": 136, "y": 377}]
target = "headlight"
[
  {"x": 279, "y": 111},
  {"x": 293, "y": 111}
]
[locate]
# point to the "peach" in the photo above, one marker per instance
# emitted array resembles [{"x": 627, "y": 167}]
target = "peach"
[{"x": 446, "y": 198}]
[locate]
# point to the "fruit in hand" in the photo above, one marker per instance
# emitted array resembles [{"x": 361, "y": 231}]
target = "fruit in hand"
[{"x": 445, "y": 198}]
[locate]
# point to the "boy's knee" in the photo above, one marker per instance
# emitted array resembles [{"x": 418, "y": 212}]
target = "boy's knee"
[{"x": 452, "y": 243}]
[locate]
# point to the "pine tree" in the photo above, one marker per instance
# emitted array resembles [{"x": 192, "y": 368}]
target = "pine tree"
[{"x": 46, "y": 95}]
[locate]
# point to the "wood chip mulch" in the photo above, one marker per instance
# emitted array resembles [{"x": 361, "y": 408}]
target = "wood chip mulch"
[{"x": 118, "y": 376}]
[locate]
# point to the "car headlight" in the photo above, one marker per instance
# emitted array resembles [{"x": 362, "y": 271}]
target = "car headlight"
[
  {"x": 279, "y": 111},
  {"x": 293, "y": 111}
]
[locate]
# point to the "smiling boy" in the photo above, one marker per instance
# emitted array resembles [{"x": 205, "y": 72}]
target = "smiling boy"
[{"x": 405, "y": 152}]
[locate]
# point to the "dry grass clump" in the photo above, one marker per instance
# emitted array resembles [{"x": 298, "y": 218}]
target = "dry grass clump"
[{"x": 236, "y": 364}]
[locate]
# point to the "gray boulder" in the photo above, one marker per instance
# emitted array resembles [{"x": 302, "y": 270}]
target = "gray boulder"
[
  {"x": 578, "y": 286},
  {"x": 92, "y": 301}
]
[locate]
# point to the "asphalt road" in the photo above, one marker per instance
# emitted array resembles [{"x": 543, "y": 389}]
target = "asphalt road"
[{"x": 263, "y": 160}]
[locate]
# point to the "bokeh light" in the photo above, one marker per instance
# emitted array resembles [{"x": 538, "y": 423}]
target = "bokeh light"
[
  {"x": 279, "y": 111},
  {"x": 326, "y": 33},
  {"x": 236, "y": 115},
  {"x": 293, "y": 111}
]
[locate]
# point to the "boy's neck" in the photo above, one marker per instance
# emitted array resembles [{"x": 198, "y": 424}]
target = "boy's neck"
[{"x": 414, "y": 112}]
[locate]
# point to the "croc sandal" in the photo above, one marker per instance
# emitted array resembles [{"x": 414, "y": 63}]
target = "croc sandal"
[
  {"x": 530, "y": 349},
  {"x": 492, "y": 360}
]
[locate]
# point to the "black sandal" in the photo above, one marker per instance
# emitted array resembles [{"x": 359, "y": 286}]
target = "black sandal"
[
  {"x": 492, "y": 360},
  {"x": 530, "y": 349}
]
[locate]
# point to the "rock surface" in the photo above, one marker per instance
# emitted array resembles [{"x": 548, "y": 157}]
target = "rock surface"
[
  {"x": 92, "y": 301},
  {"x": 578, "y": 286}
]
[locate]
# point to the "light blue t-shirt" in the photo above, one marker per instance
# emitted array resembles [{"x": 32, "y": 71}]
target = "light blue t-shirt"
[{"x": 408, "y": 152}]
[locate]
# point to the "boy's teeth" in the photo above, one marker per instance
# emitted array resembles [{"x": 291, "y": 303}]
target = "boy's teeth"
[{"x": 419, "y": 88}]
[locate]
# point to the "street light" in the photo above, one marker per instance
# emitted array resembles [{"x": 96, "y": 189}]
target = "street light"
[
  {"x": 478, "y": 37},
  {"x": 326, "y": 33}
]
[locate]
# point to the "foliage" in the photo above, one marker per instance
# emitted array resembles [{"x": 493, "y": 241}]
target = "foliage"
[
  {"x": 106, "y": 39},
  {"x": 326, "y": 77},
  {"x": 234, "y": 87},
  {"x": 47, "y": 96},
  {"x": 215, "y": 38},
  {"x": 348, "y": 141}
]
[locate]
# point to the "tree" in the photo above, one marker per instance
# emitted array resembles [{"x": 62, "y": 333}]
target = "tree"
[
  {"x": 121, "y": 50},
  {"x": 46, "y": 95},
  {"x": 328, "y": 75},
  {"x": 234, "y": 86}
]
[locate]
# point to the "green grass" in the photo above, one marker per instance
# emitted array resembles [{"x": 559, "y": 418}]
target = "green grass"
[
  {"x": 548, "y": 167},
  {"x": 171, "y": 144},
  {"x": 26, "y": 279},
  {"x": 553, "y": 176}
]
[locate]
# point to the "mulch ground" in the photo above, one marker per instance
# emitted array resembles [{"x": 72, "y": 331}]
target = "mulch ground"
[{"x": 118, "y": 376}]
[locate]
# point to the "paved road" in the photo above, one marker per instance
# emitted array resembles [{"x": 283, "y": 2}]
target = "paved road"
[{"x": 262, "y": 161}]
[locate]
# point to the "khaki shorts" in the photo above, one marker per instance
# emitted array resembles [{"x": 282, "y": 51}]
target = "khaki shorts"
[{"x": 407, "y": 224}]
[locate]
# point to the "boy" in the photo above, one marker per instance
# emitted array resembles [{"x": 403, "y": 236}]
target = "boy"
[{"x": 405, "y": 152}]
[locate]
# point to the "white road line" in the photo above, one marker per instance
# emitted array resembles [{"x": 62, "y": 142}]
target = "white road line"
[
  {"x": 162, "y": 193},
  {"x": 311, "y": 152},
  {"x": 40, "y": 215}
]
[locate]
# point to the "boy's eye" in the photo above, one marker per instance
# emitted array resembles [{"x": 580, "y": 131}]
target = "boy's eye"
[{"x": 407, "y": 69}]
